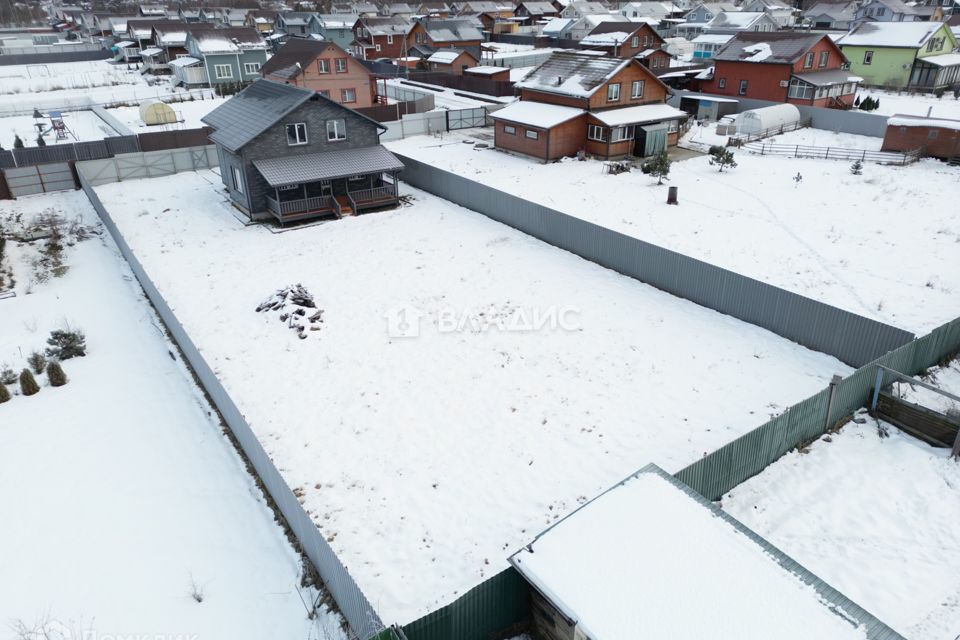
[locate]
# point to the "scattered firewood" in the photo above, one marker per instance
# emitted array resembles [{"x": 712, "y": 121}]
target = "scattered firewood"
[{"x": 293, "y": 301}]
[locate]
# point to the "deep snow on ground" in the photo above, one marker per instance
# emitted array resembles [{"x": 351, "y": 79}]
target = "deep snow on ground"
[
  {"x": 82, "y": 125},
  {"x": 427, "y": 460},
  {"x": 702, "y": 138},
  {"x": 946, "y": 378},
  {"x": 188, "y": 115},
  {"x": 874, "y": 517},
  {"x": 919, "y": 104},
  {"x": 119, "y": 489},
  {"x": 834, "y": 237}
]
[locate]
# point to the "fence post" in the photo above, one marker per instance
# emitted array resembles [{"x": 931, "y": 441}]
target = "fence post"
[
  {"x": 876, "y": 390},
  {"x": 796, "y": 152},
  {"x": 834, "y": 381},
  {"x": 864, "y": 158},
  {"x": 827, "y": 154}
]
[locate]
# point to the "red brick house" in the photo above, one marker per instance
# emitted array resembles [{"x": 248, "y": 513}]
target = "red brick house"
[
  {"x": 375, "y": 38},
  {"x": 937, "y": 137},
  {"x": 323, "y": 67},
  {"x": 623, "y": 39},
  {"x": 606, "y": 107},
  {"x": 799, "y": 68}
]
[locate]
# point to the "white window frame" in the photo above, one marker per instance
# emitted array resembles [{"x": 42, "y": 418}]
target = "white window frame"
[
  {"x": 218, "y": 71},
  {"x": 338, "y": 135},
  {"x": 323, "y": 66},
  {"x": 596, "y": 132},
  {"x": 808, "y": 60},
  {"x": 377, "y": 47},
  {"x": 509, "y": 129},
  {"x": 619, "y": 134},
  {"x": 635, "y": 42},
  {"x": 237, "y": 179},
  {"x": 389, "y": 39},
  {"x": 673, "y": 126},
  {"x": 337, "y": 65},
  {"x": 636, "y": 84},
  {"x": 613, "y": 92},
  {"x": 824, "y": 59},
  {"x": 343, "y": 96},
  {"x": 867, "y": 58},
  {"x": 298, "y": 128},
  {"x": 533, "y": 135},
  {"x": 742, "y": 89},
  {"x": 800, "y": 90},
  {"x": 721, "y": 83},
  {"x": 251, "y": 68}
]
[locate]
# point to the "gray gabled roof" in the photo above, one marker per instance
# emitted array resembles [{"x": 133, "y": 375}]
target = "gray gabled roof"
[
  {"x": 257, "y": 108},
  {"x": 252, "y": 111},
  {"x": 768, "y": 47},
  {"x": 328, "y": 165}
]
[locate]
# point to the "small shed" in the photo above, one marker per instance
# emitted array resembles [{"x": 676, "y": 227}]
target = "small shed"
[
  {"x": 453, "y": 61},
  {"x": 709, "y": 108},
  {"x": 936, "y": 137},
  {"x": 499, "y": 74},
  {"x": 157, "y": 112},
  {"x": 765, "y": 118}
]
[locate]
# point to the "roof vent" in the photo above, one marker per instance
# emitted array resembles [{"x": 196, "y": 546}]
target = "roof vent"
[{"x": 559, "y": 80}]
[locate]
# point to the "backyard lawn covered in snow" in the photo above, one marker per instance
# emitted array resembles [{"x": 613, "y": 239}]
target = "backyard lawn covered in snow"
[
  {"x": 430, "y": 426},
  {"x": 876, "y": 517},
  {"x": 188, "y": 114},
  {"x": 121, "y": 499},
  {"x": 846, "y": 240}
]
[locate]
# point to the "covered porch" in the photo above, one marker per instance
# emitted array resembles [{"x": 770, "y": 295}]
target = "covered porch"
[
  {"x": 935, "y": 72},
  {"x": 639, "y": 131},
  {"x": 330, "y": 184}
]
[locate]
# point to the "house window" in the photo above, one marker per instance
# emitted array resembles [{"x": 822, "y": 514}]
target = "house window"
[
  {"x": 296, "y": 134},
  {"x": 799, "y": 89},
  {"x": 533, "y": 135},
  {"x": 867, "y": 57},
  {"x": 237, "y": 180},
  {"x": 341, "y": 65},
  {"x": 389, "y": 39},
  {"x": 635, "y": 42},
  {"x": 620, "y": 134},
  {"x": 419, "y": 38},
  {"x": 336, "y": 130},
  {"x": 824, "y": 57},
  {"x": 613, "y": 92},
  {"x": 377, "y": 47},
  {"x": 636, "y": 89},
  {"x": 721, "y": 83},
  {"x": 673, "y": 126},
  {"x": 808, "y": 60},
  {"x": 325, "y": 93},
  {"x": 222, "y": 71},
  {"x": 743, "y": 87},
  {"x": 597, "y": 133},
  {"x": 510, "y": 129},
  {"x": 251, "y": 68},
  {"x": 881, "y": 11},
  {"x": 348, "y": 95},
  {"x": 933, "y": 134},
  {"x": 323, "y": 66}
]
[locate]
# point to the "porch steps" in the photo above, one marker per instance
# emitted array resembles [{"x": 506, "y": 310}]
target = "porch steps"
[{"x": 345, "y": 208}]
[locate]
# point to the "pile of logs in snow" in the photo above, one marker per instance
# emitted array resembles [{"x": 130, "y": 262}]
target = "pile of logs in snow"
[{"x": 292, "y": 303}]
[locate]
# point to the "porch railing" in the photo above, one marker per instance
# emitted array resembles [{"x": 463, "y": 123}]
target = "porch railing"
[
  {"x": 285, "y": 208},
  {"x": 376, "y": 194}
]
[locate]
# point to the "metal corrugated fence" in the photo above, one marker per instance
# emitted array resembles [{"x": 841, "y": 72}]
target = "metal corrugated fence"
[
  {"x": 851, "y": 338},
  {"x": 719, "y": 472},
  {"x": 355, "y": 607}
]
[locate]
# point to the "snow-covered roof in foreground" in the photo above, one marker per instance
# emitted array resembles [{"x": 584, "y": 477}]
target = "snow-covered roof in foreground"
[
  {"x": 712, "y": 38},
  {"x": 447, "y": 56},
  {"x": 671, "y": 566},
  {"x": 603, "y": 39},
  {"x": 486, "y": 70},
  {"x": 638, "y": 115},
  {"x": 920, "y": 121},
  {"x": 536, "y": 114}
]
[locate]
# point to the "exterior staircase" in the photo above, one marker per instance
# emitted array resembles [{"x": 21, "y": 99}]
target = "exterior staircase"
[{"x": 344, "y": 208}]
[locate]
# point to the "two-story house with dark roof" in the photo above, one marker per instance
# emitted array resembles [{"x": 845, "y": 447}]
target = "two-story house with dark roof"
[
  {"x": 800, "y": 68},
  {"x": 428, "y": 35},
  {"x": 375, "y": 38},
  {"x": 322, "y": 67},
  {"x": 290, "y": 154},
  {"x": 629, "y": 40},
  {"x": 602, "y": 106}
]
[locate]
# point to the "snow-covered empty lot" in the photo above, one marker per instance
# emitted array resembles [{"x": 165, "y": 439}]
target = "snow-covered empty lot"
[
  {"x": 884, "y": 244},
  {"x": 875, "y": 517},
  {"x": 427, "y": 459},
  {"x": 188, "y": 113},
  {"x": 119, "y": 490},
  {"x": 81, "y": 127}
]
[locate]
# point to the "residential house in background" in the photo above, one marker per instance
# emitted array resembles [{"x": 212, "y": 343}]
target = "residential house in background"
[
  {"x": 828, "y": 15},
  {"x": 903, "y": 54},
  {"x": 323, "y": 67},
  {"x": 559, "y": 28},
  {"x": 433, "y": 9},
  {"x": 224, "y": 57},
  {"x": 582, "y": 27},
  {"x": 896, "y": 11},
  {"x": 233, "y": 17},
  {"x": 291, "y": 154},
  {"x": 428, "y": 35},
  {"x": 731, "y": 22},
  {"x": 190, "y": 16},
  {"x": 572, "y": 103},
  {"x": 535, "y": 12},
  {"x": 784, "y": 14},
  {"x": 656, "y": 10},
  {"x": 628, "y": 40},
  {"x": 333, "y": 27},
  {"x": 704, "y": 12},
  {"x": 169, "y": 43},
  {"x": 706, "y": 45},
  {"x": 454, "y": 61},
  {"x": 261, "y": 19},
  {"x": 796, "y": 67},
  {"x": 293, "y": 23},
  {"x": 375, "y": 38},
  {"x": 579, "y": 8}
]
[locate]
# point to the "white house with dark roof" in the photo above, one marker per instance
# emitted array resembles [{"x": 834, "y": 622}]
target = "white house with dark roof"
[{"x": 731, "y": 22}]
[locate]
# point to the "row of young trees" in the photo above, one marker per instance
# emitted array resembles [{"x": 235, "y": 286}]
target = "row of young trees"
[{"x": 62, "y": 345}]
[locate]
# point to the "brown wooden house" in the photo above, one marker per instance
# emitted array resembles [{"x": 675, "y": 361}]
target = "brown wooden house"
[
  {"x": 375, "y": 38},
  {"x": 623, "y": 39},
  {"x": 572, "y": 103},
  {"x": 323, "y": 67},
  {"x": 428, "y": 35},
  {"x": 451, "y": 61}
]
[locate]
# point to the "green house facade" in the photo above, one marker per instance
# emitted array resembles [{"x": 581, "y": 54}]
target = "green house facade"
[
  {"x": 228, "y": 57},
  {"x": 918, "y": 55}
]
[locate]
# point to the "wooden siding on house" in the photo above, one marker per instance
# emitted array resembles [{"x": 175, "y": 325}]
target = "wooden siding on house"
[
  {"x": 563, "y": 140},
  {"x": 939, "y": 142},
  {"x": 653, "y": 89}
]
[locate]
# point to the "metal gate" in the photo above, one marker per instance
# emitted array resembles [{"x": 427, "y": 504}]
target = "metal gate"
[
  {"x": 25, "y": 181},
  {"x": 144, "y": 165},
  {"x": 466, "y": 118}
]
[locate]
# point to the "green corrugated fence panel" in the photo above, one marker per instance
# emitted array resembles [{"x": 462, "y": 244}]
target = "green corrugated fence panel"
[
  {"x": 386, "y": 634},
  {"x": 489, "y": 608}
]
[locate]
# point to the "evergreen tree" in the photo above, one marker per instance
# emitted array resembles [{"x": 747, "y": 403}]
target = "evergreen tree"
[
  {"x": 4, "y": 393},
  {"x": 723, "y": 157},
  {"x": 856, "y": 168},
  {"x": 28, "y": 384},
  {"x": 17, "y": 142},
  {"x": 660, "y": 166},
  {"x": 856, "y": 102},
  {"x": 66, "y": 344},
  {"x": 55, "y": 374}
]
